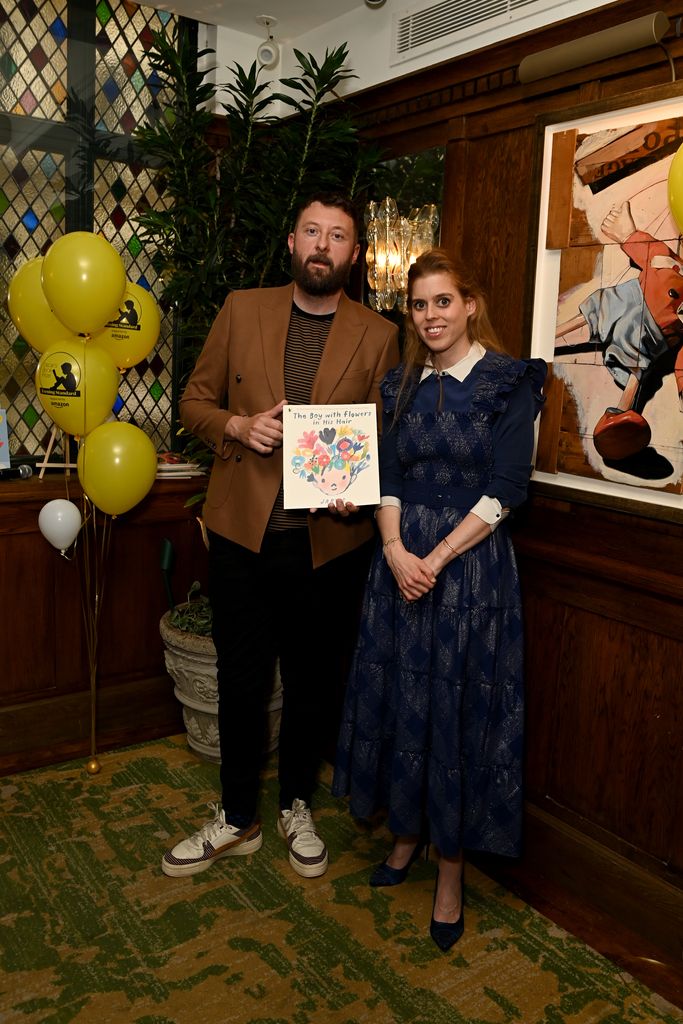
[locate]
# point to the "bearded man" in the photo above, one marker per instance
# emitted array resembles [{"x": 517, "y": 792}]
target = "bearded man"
[{"x": 282, "y": 584}]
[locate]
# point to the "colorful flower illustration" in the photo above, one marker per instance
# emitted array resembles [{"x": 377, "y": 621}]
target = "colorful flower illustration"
[{"x": 331, "y": 458}]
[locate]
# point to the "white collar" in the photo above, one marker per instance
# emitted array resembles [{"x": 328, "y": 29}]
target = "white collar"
[{"x": 461, "y": 369}]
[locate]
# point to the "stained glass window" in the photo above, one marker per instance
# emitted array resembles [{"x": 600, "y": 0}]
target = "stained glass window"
[
  {"x": 124, "y": 34},
  {"x": 74, "y": 83},
  {"x": 33, "y": 58}
]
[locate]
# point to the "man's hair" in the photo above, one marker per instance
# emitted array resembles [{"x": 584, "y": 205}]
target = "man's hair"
[{"x": 335, "y": 199}]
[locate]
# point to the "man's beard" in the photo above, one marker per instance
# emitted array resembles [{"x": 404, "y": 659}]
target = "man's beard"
[{"x": 320, "y": 281}]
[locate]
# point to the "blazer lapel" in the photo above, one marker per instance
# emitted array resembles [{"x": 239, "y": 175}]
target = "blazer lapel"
[
  {"x": 344, "y": 338},
  {"x": 275, "y": 310}
]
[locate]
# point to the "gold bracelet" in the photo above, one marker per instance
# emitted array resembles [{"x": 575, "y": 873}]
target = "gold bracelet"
[
  {"x": 387, "y": 543},
  {"x": 450, "y": 546}
]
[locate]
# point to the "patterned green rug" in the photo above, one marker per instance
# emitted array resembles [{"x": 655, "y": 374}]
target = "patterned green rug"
[{"x": 92, "y": 932}]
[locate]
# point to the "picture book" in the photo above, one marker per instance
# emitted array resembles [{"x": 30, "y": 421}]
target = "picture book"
[{"x": 330, "y": 452}]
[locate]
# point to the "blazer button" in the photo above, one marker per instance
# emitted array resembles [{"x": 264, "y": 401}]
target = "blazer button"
[
  {"x": 238, "y": 378},
  {"x": 238, "y": 458}
]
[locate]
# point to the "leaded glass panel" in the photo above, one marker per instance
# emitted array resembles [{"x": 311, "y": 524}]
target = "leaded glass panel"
[
  {"x": 120, "y": 190},
  {"x": 31, "y": 217},
  {"x": 125, "y": 83},
  {"x": 57, "y": 156},
  {"x": 33, "y": 58}
]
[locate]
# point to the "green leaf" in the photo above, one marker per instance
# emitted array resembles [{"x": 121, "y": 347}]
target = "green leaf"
[{"x": 228, "y": 185}]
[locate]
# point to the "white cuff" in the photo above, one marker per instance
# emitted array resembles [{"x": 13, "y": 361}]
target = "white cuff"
[
  {"x": 491, "y": 511},
  {"x": 389, "y": 500}
]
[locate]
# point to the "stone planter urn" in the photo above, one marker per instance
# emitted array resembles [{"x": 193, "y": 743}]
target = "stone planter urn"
[{"x": 191, "y": 664}]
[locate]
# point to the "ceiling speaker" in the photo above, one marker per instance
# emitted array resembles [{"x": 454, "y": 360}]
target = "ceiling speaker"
[{"x": 268, "y": 54}]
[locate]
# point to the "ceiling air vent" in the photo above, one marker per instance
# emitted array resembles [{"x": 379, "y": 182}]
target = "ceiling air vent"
[{"x": 436, "y": 25}]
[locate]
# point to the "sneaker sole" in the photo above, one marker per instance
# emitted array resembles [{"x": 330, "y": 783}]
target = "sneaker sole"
[
  {"x": 236, "y": 850},
  {"x": 305, "y": 870}
]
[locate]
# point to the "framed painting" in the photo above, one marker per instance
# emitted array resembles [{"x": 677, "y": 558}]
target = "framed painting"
[{"x": 607, "y": 307}]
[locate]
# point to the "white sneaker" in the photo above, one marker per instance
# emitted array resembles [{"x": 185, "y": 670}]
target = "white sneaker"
[
  {"x": 307, "y": 851},
  {"x": 214, "y": 840}
]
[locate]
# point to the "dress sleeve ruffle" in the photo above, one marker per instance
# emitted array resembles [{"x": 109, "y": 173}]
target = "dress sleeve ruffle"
[
  {"x": 501, "y": 375},
  {"x": 389, "y": 388}
]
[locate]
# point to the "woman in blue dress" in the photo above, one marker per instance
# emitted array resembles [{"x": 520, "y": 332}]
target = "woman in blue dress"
[{"x": 432, "y": 723}]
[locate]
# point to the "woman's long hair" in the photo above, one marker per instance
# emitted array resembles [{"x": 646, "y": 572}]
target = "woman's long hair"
[{"x": 479, "y": 326}]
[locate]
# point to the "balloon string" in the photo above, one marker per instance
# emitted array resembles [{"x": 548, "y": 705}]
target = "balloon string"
[{"x": 94, "y": 552}]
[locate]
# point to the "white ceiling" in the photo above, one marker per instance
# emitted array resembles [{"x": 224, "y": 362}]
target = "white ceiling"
[{"x": 294, "y": 17}]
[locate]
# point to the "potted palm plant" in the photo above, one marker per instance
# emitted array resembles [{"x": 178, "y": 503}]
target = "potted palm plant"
[{"x": 229, "y": 186}]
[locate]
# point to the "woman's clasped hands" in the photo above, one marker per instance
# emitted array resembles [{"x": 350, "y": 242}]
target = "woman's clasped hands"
[{"x": 414, "y": 576}]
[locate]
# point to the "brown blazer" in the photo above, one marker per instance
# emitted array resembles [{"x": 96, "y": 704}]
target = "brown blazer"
[{"x": 241, "y": 372}]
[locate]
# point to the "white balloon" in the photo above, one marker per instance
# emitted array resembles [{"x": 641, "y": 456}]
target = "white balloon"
[{"x": 59, "y": 522}]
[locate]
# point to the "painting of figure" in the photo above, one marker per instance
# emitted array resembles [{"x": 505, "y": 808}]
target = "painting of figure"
[{"x": 618, "y": 336}]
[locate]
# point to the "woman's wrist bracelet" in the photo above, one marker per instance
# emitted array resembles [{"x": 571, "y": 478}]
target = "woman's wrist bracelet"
[
  {"x": 389, "y": 542},
  {"x": 450, "y": 547}
]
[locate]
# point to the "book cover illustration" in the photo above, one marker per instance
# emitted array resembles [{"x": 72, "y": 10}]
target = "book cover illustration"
[{"x": 330, "y": 452}]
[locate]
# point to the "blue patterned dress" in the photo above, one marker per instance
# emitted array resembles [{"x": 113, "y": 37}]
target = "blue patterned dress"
[{"x": 432, "y": 723}]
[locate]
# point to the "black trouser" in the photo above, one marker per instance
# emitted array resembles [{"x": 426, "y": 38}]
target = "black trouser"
[{"x": 268, "y": 605}]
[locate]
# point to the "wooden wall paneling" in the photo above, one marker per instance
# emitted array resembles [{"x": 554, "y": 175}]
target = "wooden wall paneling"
[
  {"x": 26, "y": 611},
  {"x": 619, "y": 591},
  {"x": 68, "y": 642},
  {"x": 45, "y": 682},
  {"x": 40, "y": 610},
  {"x": 497, "y": 198},
  {"x": 453, "y": 211},
  {"x": 636, "y": 550},
  {"x": 650, "y": 906},
  {"x": 613, "y": 686},
  {"x": 620, "y": 645},
  {"x": 44, "y": 731},
  {"x": 541, "y": 618}
]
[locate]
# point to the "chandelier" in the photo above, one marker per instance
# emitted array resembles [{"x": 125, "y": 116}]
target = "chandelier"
[{"x": 394, "y": 242}]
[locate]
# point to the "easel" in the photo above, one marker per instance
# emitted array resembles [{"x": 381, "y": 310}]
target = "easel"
[{"x": 46, "y": 464}]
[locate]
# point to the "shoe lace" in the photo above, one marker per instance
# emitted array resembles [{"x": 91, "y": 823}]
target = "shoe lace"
[
  {"x": 301, "y": 820},
  {"x": 211, "y": 829}
]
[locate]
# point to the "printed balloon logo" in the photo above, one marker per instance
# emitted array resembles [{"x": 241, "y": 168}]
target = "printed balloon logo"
[
  {"x": 59, "y": 374},
  {"x": 132, "y": 334},
  {"x": 76, "y": 383}
]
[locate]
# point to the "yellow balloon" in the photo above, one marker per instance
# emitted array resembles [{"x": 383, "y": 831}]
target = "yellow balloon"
[
  {"x": 676, "y": 187},
  {"x": 84, "y": 280},
  {"x": 29, "y": 309},
  {"x": 134, "y": 331},
  {"x": 117, "y": 465},
  {"x": 76, "y": 385}
]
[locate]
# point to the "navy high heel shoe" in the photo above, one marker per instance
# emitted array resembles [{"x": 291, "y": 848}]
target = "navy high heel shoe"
[
  {"x": 385, "y": 875},
  {"x": 444, "y": 934}
]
